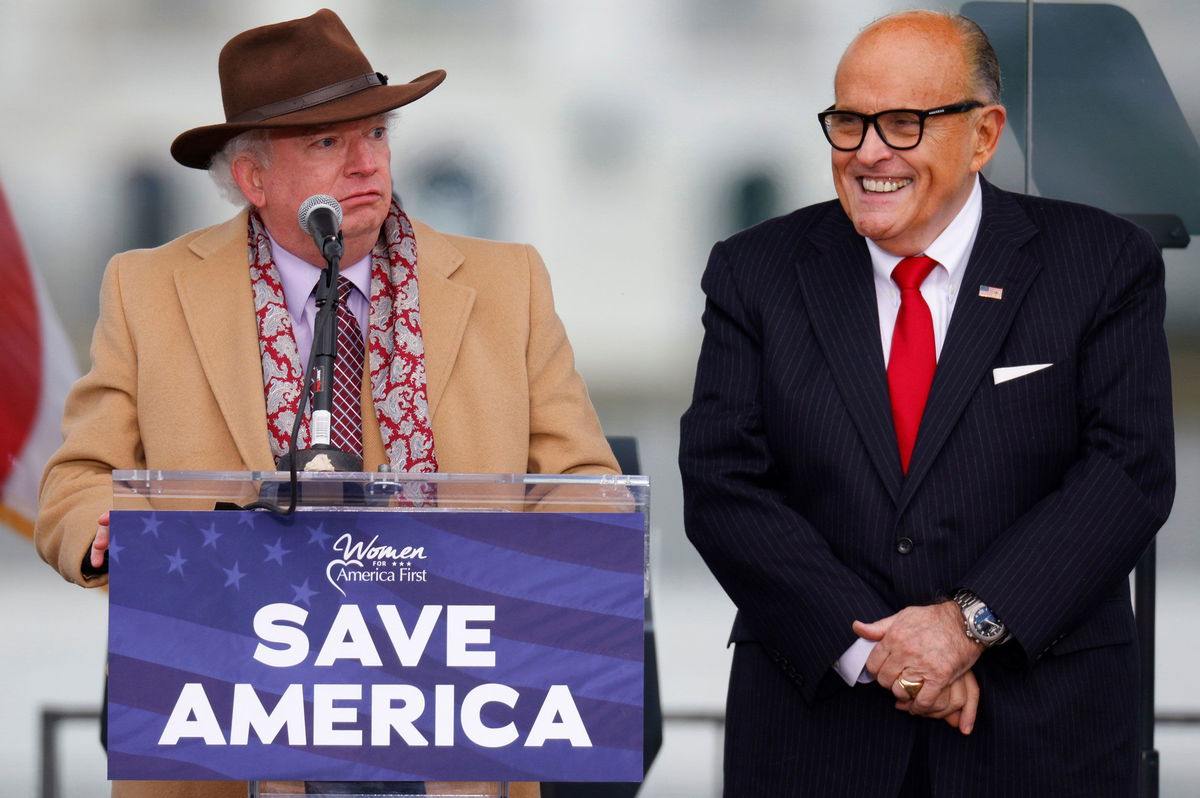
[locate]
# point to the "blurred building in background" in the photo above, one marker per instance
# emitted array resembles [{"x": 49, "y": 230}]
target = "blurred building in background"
[{"x": 622, "y": 138}]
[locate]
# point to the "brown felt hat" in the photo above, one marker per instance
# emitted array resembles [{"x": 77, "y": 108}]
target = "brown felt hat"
[{"x": 300, "y": 73}]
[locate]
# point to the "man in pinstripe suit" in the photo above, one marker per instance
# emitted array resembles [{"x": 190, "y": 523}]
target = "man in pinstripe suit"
[{"x": 947, "y": 615}]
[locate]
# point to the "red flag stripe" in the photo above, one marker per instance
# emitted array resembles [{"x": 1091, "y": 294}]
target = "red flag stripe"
[{"x": 20, "y": 344}]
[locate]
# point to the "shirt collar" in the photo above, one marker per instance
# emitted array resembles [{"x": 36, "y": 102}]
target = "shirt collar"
[
  {"x": 299, "y": 277},
  {"x": 950, "y": 249}
]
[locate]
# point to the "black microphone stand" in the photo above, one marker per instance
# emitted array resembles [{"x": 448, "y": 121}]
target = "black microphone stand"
[{"x": 321, "y": 454}]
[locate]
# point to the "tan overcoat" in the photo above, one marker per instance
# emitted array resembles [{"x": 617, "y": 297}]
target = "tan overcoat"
[{"x": 176, "y": 383}]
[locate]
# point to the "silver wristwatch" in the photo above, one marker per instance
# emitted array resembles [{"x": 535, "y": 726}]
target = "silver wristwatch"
[{"x": 981, "y": 623}]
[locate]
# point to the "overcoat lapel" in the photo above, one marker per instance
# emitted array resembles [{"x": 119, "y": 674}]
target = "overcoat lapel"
[
  {"x": 445, "y": 308},
  {"x": 217, "y": 304},
  {"x": 839, "y": 295},
  {"x": 978, "y": 326}
]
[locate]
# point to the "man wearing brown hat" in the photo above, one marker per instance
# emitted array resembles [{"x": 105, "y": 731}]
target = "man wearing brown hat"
[{"x": 197, "y": 357}]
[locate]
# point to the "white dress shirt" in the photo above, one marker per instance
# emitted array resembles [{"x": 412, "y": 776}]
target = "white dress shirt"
[
  {"x": 951, "y": 250},
  {"x": 941, "y": 288}
]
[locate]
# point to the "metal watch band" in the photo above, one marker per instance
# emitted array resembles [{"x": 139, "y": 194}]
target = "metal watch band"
[{"x": 970, "y": 604}]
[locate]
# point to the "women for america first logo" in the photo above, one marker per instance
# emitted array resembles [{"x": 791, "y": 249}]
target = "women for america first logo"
[{"x": 362, "y": 561}]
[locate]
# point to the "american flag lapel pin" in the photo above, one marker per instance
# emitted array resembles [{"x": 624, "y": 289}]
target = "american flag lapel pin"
[{"x": 991, "y": 292}]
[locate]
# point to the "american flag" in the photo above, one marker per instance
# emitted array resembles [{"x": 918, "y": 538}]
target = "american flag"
[{"x": 37, "y": 371}]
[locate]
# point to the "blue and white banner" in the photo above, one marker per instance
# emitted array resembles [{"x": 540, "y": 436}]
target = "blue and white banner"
[{"x": 356, "y": 646}]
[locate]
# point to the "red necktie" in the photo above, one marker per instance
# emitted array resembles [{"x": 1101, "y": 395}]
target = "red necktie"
[
  {"x": 913, "y": 357},
  {"x": 346, "y": 430}
]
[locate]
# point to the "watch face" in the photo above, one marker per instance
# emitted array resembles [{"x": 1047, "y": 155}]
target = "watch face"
[{"x": 986, "y": 625}]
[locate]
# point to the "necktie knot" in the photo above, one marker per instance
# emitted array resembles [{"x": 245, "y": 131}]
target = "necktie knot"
[
  {"x": 344, "y": 288},
  {"x": 911, "y": 272}
]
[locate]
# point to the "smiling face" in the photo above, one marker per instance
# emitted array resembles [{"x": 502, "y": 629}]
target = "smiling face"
[
  {"x": 903, "y": 199},
  {"x": 350, "y": 161}
]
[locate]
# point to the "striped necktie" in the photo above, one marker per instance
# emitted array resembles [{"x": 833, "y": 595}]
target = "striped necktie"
[{"x": 346, "y": 430}]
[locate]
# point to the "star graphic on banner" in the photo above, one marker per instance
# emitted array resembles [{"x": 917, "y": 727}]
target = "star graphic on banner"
[
  {"x": 318, "y": 535},
  {"x": 114, "y": 550},
  {"x": 304, "y": 593},
  {"x": 210, "y": 536},
  {"x": 246, "y": 519},
  {"x": 275, "y": 552},
  {"x": 233, "y": 576},
  {"x": 150, "y": 525},
  {"x": 176, "y": 560}
]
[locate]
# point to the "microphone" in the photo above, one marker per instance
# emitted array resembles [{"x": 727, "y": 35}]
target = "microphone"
[{"x": 321, "y": 217}]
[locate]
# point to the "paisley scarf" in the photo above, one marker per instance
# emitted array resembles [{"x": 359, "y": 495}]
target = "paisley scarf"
[{"x": 395, "y": 349}]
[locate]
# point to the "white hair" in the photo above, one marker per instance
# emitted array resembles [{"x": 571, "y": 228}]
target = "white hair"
[{"x": 255, "y": 144}]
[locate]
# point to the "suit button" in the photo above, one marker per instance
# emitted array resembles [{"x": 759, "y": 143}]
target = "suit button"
[{"x": 904, "y": 546}]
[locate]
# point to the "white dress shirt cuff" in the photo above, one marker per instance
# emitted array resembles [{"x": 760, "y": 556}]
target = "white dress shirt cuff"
[{"x": 851, "y": 666}]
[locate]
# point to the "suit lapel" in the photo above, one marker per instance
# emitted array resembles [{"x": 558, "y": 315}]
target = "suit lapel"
[
  {"x": 839, "y": 294},
  {"x": 445, "y": 307},
  {"x": 219, "y": 309},
  {"x": 978, "y": 326}
]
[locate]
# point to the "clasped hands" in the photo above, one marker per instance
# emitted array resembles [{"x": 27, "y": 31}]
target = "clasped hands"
[{"x": 926, "y": 644}]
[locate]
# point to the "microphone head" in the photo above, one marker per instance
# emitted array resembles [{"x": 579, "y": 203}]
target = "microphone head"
[{"x": 313, "y": 203}]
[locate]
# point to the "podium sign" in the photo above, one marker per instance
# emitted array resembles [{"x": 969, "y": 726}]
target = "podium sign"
[{"x": 369, "y": 644}]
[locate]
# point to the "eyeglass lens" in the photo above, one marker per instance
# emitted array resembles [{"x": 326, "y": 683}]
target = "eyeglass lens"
[{"x": 897, "y": 128}]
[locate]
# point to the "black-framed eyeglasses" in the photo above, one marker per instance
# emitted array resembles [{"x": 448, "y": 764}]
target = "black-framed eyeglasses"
[{"x": 900, "y": 128}]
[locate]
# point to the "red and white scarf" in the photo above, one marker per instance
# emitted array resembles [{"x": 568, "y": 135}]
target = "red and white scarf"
[{"x": 396, "y": 350}]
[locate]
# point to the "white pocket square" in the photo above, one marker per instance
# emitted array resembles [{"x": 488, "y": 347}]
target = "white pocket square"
[{"x": 1007, "y": 373}]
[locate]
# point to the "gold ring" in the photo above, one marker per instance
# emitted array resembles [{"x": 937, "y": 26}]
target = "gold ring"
[{"x": 912, "y": 688}]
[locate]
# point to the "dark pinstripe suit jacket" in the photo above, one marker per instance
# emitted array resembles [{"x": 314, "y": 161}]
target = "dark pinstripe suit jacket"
[{"x": 1038, "y": 493}]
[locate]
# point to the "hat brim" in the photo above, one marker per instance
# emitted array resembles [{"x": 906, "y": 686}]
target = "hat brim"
[{"x": 196, "y": 147}]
